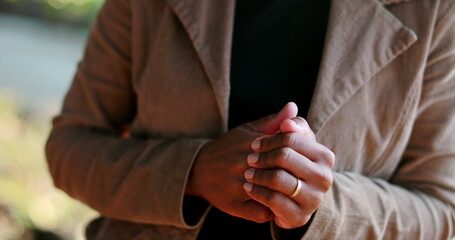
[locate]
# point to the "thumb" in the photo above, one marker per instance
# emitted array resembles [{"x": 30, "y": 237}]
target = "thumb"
[
  {"x": 271, "y": 124},
  {"x": 297, "y": 125}
]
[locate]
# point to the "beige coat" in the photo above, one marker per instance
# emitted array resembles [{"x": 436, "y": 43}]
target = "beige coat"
[{"x": 384, "y": 103}]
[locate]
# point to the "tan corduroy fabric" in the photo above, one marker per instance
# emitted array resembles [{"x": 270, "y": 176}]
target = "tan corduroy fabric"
[{"x": 384, "y": 103}]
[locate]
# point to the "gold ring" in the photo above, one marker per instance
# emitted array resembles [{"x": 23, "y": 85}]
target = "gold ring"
[{"x": 298, "y": 188}]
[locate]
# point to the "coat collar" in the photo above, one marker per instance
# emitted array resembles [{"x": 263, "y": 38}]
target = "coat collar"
[
  {"x": 362, "y": 37},
  {"x": 390, "y": 2},
  {"x": 209, "y": 25}
]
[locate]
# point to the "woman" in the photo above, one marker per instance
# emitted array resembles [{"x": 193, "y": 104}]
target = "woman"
[{"x": 158, "y": 131}]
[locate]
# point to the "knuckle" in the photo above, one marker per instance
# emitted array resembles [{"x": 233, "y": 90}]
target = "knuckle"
[
  {"x": 324, "y": 179},
  {"x": 283, "y": 155},
  {"x": 305, "y": 219},
  {"x": 278, "y": 177},
  {"x": 328, "y": 156},
  {"x": 314, "y": 200},
  {"x": 300, "y": 218},
  {"x": 289, "y": 139},
  {"x": 319, "y": 198}
]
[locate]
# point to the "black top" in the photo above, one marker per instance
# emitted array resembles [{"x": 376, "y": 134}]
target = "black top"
[{"x": 276, "y": 52}]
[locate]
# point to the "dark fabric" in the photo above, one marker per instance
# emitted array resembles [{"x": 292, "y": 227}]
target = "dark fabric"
[{"x": 276, "y": 52}]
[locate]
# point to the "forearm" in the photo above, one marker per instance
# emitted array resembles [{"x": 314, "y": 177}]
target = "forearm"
[
  {"x": 358, "y": 207},
  {"x": 130, "y": 179}
]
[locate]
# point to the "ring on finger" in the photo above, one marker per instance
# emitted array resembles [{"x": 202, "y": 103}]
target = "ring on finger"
[{"x": 297, "y": 189}]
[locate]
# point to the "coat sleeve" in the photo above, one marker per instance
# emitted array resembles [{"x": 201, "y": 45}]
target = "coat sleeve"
[
  {"x": 141, "y": 180},
  {"x": 418, "y": 202}
]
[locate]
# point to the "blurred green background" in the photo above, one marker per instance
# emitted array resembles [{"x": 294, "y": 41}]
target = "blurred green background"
[{"x": 41, "y": 42}]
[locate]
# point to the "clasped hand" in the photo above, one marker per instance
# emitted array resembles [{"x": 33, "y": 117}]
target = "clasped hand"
[{"x": 251, "y": 171}]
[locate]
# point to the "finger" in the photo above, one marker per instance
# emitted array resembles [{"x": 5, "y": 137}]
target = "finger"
[
  {"x": 284, "y": 158},
  {"x": 297, "y": 125},
  {"x": 289, "y": 126},
  {"x": 296, "y": 141},
  {"x": 282, "y": 181},
  {"x": 254, "y": 211},
  {"x": 286, "y": 211},
  {"x": 308, "y": 199},
  {"x": 271, "y": 124},
  {"x": 319, "y": 176},
  {"x": 278, "y": 180}
]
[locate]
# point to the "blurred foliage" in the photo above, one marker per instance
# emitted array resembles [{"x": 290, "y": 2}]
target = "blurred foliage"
[
  {"x": 79, "y": 12},
  {"x": 28, "y": 199}
]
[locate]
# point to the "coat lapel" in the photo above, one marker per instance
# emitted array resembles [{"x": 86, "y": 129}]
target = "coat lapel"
[
  {"x": 209, "y": 24},
  {"x": 362, "y": 37}
]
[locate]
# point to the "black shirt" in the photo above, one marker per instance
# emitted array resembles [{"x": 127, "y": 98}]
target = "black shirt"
[{"x": 276, "y": 52}]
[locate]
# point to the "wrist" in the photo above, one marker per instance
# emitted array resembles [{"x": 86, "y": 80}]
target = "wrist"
[{"x": 192, "y": 185}]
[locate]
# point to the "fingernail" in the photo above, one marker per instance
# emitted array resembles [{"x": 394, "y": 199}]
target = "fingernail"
[
  {"x": 248, "y": 187},
  {"x": 293, "y": 122},
  {"x": 249, "y": 174},
  {"x": 252, "y": 158},
  {"x": 256, "y": 144}
]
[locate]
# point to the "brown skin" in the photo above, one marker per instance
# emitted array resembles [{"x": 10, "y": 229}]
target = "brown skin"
[
  {"x": 218, "y": 172},
  {"x": 283, "y": 158},
  {"x": 217, "y": 176}
]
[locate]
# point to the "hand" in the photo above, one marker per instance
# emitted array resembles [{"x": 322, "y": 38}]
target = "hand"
[
  {"x": 277, "y": 164},
  {"x": 217, "y": 174}
]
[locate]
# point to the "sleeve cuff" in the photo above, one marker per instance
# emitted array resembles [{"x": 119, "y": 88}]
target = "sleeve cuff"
[{"x": 192, "y": 209}]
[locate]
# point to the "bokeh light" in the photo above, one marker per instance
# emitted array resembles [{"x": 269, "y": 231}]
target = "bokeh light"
[{"x": 41, "y": 42}]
